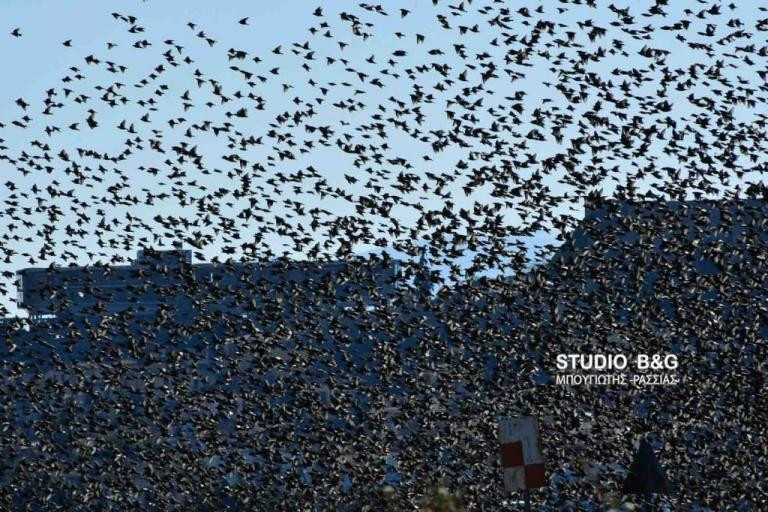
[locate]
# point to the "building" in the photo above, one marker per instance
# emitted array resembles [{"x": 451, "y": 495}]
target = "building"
[
  {"x": 169, "y": 279},
  {"x": 163, "y": 297}
]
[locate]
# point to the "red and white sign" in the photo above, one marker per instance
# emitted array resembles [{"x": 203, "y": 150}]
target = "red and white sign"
[{"x": 521, "y": 455}]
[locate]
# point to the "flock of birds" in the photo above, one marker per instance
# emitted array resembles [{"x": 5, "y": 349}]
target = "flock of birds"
[{"x": 459, "y": 135}]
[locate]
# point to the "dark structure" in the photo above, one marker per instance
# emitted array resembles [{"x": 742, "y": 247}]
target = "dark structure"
[
  {"x": 169, "y": 279},
  {"x": 163, "y": 297},
  {"x": 646, "y": 476}
]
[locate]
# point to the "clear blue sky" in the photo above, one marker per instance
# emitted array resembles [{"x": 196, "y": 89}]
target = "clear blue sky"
[{"x": 37, "y": 61}]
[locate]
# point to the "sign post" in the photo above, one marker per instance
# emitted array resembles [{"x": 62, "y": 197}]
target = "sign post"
[{"x": 521, "y": 456}]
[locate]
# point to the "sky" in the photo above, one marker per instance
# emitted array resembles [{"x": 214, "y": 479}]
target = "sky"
[{"x": 38, "y": 61}]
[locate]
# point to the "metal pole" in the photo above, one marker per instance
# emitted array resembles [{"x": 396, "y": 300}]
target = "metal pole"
[{"x": 527, "y": 500}]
